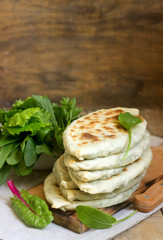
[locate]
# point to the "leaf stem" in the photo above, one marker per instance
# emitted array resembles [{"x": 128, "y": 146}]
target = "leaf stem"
[
  {"x": 16, "y": 192},
  {"x": 126, "y": 217},
  {"x": 129, "y": 143}
]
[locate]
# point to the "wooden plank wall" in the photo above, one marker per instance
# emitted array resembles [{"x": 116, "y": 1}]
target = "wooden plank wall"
[{"x": 105, "y": 52}]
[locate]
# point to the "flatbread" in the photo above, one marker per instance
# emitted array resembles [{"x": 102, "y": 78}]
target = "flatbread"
[
  {"x": 78, "y": 195},
  {"x": 56, "y": 200},
  {"x": 123, "y": 179},
  {"x": 61, "y": 174},
  {"x": 88, "y": 176},
  {"x": 109, "y": 162},
  {"x": 99, "y": 134}
]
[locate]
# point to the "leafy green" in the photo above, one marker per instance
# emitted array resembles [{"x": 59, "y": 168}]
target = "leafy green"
[
  {"x": 2, "y": 120},
  {"x": 66, "y": 112},
  {"x": 128, "y": 121},
  {"x": 94, "y": 218},
  {"x": 45, "y": 103},
  {"x": 31, "y": 127},
  {"x": 4, "y": 172},
  {"x": 5, "y": 152},
  {"x": 30, "y": 154},
  {"x": 29, "y": 120},
  {"x": 6, "y": 140},
  {"x": 9, "y": 114},
  {"x": 22, "y": 145},
  {"x": 20, "y": 119},
  {"x": 43, "y": 148},
  {"x": 15, "y": 157},
  {"x": 31, "y": 209},
  {"x": 21, "y": 169},
  {"x": 43, "y": 133},
  {"x": 29, "y": 102}
]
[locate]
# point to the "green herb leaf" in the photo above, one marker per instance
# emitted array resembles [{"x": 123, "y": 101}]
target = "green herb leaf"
[
  {"x": 24, "y": 104},
  {"x": 21, "y": 169},
  {"x": 43, "y": 133},
  {"x": 22, "y": 145},
  {"x": 20, "y": 119},
  {"x": 6, "y": 140},
  {"x": 30, "y": 154},
  {"x": 15, "y": 157},
  {"x": 2, "y": 119},
  {"x": 43, "y": 148},
  {"x": 4, "y": 172},
  {"x": 31, "y": 127},
  {"x": 94, "y": 218},
  {"x": 128, "y": 121},
  {"x": 5, "y": 152},
  {"x": 45, "y": 103},
  {"x": 31, "y": 209},
  {"x": 29, "y": 120}
]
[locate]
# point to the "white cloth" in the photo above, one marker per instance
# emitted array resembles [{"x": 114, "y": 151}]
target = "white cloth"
[{"x": 12, "y": 228}]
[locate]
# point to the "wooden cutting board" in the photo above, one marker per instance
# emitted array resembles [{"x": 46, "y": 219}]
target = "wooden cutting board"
[{"x": 69, "y": 219}]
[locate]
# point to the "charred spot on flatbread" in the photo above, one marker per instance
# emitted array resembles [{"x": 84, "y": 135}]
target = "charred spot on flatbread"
[
  {"x": 125, "y": 169},
  {"x": 110, "y": 136},
  {"x": 82, "y": 127},
  {"x": 89, "y": 136}
]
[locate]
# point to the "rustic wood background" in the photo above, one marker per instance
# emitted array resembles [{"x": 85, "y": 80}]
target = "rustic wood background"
[{"x": 105, "y": 53}]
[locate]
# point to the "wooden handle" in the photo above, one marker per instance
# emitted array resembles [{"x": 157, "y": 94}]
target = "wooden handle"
[{"x": 148, "y": 200}]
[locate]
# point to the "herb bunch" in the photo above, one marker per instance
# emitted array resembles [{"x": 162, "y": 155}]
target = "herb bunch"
[{"x": 31, "y": 127}]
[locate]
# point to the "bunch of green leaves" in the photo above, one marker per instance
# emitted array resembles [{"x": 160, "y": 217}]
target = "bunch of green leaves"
[
  {"x": 128, "y": 121},
  {"x": 94, "y": 218},
  {"x": 31, "y": 127},
  {"x": 33, "y": 211}
]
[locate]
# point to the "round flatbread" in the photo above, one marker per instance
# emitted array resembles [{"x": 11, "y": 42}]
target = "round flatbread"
[
  {"x": 89, "y": 176},
  {"x": 78, "y": 195},
  {"x": 99, "y": 134},
  {"x": 109, "y": 162}
]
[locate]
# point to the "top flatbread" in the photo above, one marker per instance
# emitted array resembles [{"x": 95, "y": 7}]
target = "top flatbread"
[
  {"x": 99, "y": 134},
  {"x": 109, "y": 162}
]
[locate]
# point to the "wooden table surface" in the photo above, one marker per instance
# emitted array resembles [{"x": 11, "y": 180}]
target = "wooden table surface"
[{"x": 151, "y": 229}]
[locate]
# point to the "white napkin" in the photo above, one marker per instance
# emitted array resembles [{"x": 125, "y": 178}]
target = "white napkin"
[{"x": 12, "y": 228}]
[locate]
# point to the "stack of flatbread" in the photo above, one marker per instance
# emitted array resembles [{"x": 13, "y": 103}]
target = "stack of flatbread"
[{"x": 91, "y": 171}]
